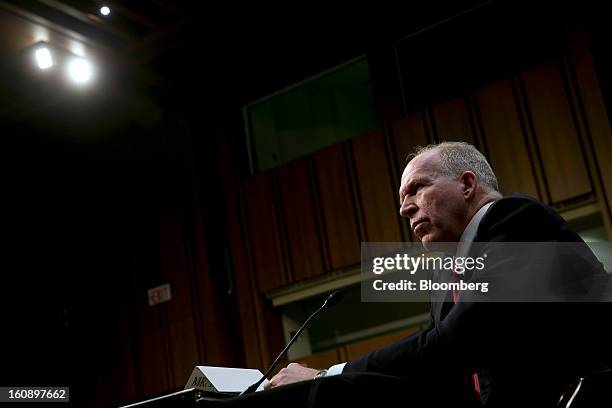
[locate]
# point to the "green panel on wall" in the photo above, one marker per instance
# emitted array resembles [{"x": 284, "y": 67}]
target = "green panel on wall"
[{"x": 318, "y": 112}]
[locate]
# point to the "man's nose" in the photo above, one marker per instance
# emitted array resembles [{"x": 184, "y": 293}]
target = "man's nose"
[{"x": 408, "y": 208}]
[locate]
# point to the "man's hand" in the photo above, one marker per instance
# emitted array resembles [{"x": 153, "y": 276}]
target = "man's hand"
[{"x": 294, "y": 372}]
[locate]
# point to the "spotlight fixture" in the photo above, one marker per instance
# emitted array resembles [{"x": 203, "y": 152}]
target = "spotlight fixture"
[
  {"x": 105, "y": 10},
  {"x": 43, "y": 58},
  {"x": 59, "y": 64},
  {"x": 79, "y": 70}
]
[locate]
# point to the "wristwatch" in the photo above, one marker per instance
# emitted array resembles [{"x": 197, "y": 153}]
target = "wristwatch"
[{"x": 320, "y": 374}]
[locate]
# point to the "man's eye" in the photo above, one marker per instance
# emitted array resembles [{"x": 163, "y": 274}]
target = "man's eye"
[{"x": 417, "y": 187}]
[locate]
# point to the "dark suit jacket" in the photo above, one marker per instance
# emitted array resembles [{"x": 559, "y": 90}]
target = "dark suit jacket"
[{"x": 526, "y": 353}]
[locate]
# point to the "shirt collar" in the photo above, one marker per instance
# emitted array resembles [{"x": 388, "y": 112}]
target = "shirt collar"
[{"x": 469, "y": 233}]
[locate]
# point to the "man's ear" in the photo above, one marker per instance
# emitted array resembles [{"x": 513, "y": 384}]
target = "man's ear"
[{"x": 470, "y": 183}]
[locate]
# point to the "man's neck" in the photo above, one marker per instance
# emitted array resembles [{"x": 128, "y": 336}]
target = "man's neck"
[{"x": 478, "y": 204}]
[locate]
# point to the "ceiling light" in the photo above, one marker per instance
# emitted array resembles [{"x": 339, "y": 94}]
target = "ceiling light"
[
  {"x": 79, "y": 70},
  {"x": 43, "y": 58},
  {"x": 104, "y": 10}
]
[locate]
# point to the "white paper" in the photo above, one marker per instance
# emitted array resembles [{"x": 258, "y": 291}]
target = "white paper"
[{"x": 227, "y": 379}]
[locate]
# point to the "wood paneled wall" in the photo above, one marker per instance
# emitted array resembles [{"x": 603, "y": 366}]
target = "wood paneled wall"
[
  {"x": 499, "y": 115},
  {"x": 296, "y": 188},
  {"x": 341, "y": 228}
]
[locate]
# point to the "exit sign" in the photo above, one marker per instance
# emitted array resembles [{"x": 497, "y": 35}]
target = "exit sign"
[{"x": 159, "y": 294}]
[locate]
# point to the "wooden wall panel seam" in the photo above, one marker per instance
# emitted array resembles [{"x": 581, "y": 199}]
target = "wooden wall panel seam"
[
  {"x": 262, "y": 343},
  {"x": 277, "y": 243},
  {"x": 240, "y": 222},
  {"x": 175, "y": 276},
  {"x": 392, "y": 163},
  {"x": 342, "y": 353},
  {"x": 165, "y": 330},
  {"x": 391, "y": 160},
  {"x": 430, "y": 131},
  {"x": 404, "y": 233},
  {"x": 531, "y": 138},
  {"x": 283, "y": 234},
  {"x": 394, "y": 134},
  {"x": 133, "y": 335},
  {"x": 476, "y": 124},
  {"x": 497, "y": 114},
  {"x": 472, "y": 125},
  {"x": 451, "y": 120},
  {"x": 577, "y": 121},
  {"x": 164, "y": 337},
  {"x": 316, "y": 198},
  {"x": 337, "y": 198},
  {"x": 556, "y": 133},
  {"x": 194, "y": 284},
  {"x": 582, "y": 122},
  {"x": 538, "y": 182},
  {"x": 362, "y": 229},
  {"x": 431, "y": 125}
]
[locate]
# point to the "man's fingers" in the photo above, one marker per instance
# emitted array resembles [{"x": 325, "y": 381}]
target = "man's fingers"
[{"x": 294, "y": 372}]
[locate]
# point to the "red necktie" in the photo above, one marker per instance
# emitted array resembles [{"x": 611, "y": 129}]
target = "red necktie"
[{"x": 456, "y": 292}]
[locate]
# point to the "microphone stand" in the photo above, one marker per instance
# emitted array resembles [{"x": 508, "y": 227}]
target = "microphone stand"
[{"x": 331, "y": 300}]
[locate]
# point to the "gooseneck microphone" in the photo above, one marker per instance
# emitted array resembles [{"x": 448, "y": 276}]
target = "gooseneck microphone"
[{"x": 331, "y": 300}]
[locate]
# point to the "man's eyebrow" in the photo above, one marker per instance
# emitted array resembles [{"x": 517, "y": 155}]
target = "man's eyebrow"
[
  {"x": 404, "y": 187},
  {"x": 419, "y": 179}
]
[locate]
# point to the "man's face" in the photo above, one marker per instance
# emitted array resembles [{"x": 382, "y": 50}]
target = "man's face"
[{"x": 435, "y": 205}]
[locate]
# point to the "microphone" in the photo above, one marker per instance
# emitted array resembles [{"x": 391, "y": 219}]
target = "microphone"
[{"x": 331, "y": 300}]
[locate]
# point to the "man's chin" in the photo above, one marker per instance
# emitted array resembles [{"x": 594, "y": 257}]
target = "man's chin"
[
  {"x": 429, "y": 238},
  {"x": 426, "y": 240}
]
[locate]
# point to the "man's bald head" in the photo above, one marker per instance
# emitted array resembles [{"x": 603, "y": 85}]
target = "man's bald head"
[{"x": 457, "y": 157}]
